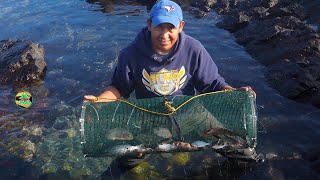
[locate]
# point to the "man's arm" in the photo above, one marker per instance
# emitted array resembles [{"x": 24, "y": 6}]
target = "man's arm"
[{"x": 109, "y": 95}]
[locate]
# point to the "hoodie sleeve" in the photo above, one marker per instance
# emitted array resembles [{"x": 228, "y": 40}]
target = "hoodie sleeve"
[
  {"x": 207, "y": 78},
  {"x": 121, "y": 78}
]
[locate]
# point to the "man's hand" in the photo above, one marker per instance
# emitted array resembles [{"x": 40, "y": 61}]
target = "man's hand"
[
  {"x": 248, "y": 89},
  {"x": 90, "y": 98},
  {"x": 245, "y": 88},
  {"x": 109, "y": 95}
]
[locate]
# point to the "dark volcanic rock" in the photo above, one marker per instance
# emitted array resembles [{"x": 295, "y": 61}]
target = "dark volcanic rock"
[
  {"x": 281, "y": 34},
  {"x": 197, "y": 13},
  {"x": 272, "y": 40},
  {"x": 312, "y": 11},
  {"x": 295, "y": 10},
  {"x": 235, "y": 21},
  {"x": 205, "y": 5},
  {"x": 21, "y": 62}
]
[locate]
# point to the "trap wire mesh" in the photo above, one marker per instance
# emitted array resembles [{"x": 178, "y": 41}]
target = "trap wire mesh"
[{"x": 223, "y": 119}]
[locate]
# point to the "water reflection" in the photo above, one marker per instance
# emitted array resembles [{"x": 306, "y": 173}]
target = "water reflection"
[
  {"x": 82, "y": 45},
  {"x": 108, "y": 6}
]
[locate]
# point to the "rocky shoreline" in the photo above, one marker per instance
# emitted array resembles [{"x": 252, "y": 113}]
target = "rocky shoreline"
[{"x": 283, "y": 35}]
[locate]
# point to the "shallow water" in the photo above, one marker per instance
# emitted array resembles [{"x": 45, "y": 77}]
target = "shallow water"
[{"x": 82, "y": 41}]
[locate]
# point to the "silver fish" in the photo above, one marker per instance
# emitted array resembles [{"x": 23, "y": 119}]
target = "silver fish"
[
  {"x": 166, "y": 147},
  {"x": 119, "y": 134},
  {"x": 200, "y": 144},
  {"x": 123, "y": 149},
  {"x": 218, "y": 146},
  {"x": 163, "y": 132}
]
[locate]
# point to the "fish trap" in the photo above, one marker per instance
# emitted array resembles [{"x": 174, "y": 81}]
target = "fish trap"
[{"x": 223, "y": 121}]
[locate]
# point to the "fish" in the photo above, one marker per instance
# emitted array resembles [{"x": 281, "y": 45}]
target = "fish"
[
  {"x": 119, "y": 134},
  {"x": 124, "y": 149},
  {"x": 166, "y": 147},
  {"x": 163, "y": 132},
  {"x": 237, "y": 145},
  {"x": 219, "y": 146},
  {"x": 200, "y": 144},
  {"x": 215, "y": 132}
]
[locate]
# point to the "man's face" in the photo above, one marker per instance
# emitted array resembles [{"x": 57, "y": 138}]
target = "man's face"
[{"x": 164, "y": 36}]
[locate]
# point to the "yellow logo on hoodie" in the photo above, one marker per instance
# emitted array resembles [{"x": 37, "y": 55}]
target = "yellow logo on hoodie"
[{"x": 164, "y": 82}]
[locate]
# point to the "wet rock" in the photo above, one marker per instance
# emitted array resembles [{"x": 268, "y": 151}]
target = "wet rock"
[
  {"x": 269, "y": 3},
  {"x": 258, "y": 32},
  {"x": 316, "y": 100},
  {"x": 72, "y": 133},
  {"x": 35, "y": 139},
  {"x": 235, "y": 21},
  {"x": 181, "y": 159},
  {"x": 283, "y": 35},
  {"x": 312, "y": 11},
  {"x": 142, "y": 171},
  {"x": 63, "y": 135},
  {"x": 60, "y": 125},
  {"x": 300, "y": 83},
  {"x": 314, "y": 158},
  {"x": 62, "y": 122},
  {"x": 48, "y": 124},
  {"x": 63, "y": 175},
  {"x": 205, "y": 5},
  {"x": 197, "y": 13},
  {"x": 22, "y": 62},
  {"x": 295, "y": 10},
  {"x": 60, "y": 109}
]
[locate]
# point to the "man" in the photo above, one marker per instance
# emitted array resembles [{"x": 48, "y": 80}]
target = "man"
[{"x": 163, "y": 61}]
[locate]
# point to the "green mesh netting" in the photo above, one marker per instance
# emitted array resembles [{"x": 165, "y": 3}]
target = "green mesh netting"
[{"x": 217, "y": 119}]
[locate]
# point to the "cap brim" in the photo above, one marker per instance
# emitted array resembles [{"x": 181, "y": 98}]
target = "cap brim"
[{"x": 166, "y": 19}]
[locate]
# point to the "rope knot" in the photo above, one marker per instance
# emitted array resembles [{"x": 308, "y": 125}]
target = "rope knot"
[{"x": 169, "y": 107}]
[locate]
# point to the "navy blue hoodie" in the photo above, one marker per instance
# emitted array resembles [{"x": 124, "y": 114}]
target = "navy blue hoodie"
[{"x": 188, "y": 70}]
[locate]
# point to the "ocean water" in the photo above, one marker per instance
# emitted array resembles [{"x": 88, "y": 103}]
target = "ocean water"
[{"x": 82, "y": 40}]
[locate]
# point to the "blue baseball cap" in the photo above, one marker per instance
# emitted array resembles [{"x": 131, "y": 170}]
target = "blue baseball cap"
[{"x": 165, "y": 11}]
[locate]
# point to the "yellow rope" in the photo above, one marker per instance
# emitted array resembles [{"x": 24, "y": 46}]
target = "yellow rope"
[{"x": 166, "y": 103}]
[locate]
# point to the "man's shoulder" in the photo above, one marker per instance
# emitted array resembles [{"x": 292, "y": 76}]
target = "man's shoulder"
[
  {"x": 135, "y": 46},
  {"x": 192, "y": 42},
  {"x": 129, "y": 50}
]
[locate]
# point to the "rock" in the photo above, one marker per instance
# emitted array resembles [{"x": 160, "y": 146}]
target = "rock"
[
  {"x": 21, "y": 62},
  {"x": 294, "y": 83},
  {"x": 316, "y": 100},
  {"x": 197, "y": 13},
  {"x": 63, "y": 135},
  {"x": 205, "y": 5},
  {"x": 60, "y": 124},
  {"x": 35, "y": 139},
  {"x": 312, "y": 11},
  {"x": 181, "y": 159},
  {"x": 269, "y": 3},
  {"x": 283, "y": 35},
  {"x": 235, "y": 22},
  {"x": 295, "y": 10}
]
